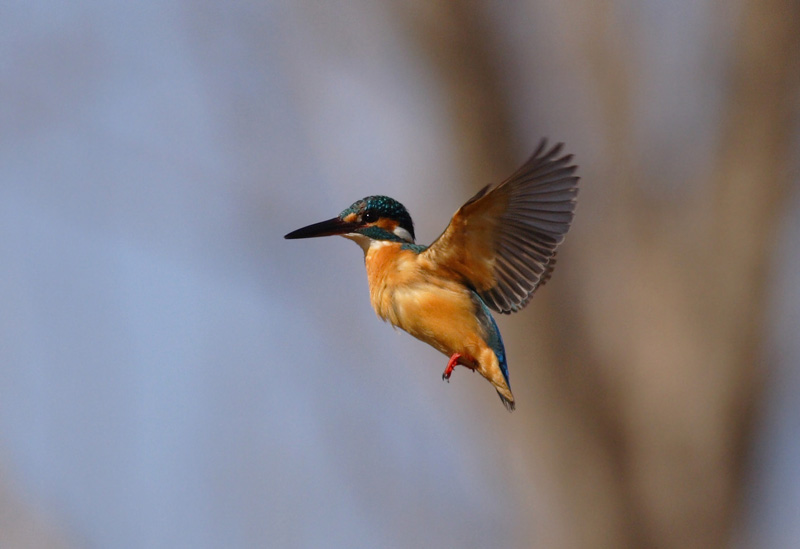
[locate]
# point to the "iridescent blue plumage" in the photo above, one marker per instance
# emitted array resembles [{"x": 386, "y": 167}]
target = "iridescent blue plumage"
[
  {"x": 492, "y": 335},
  {"x": 379, "y": 206},
  {"x": 379, "y": 233},
  {"x": 416, "y": 248}
]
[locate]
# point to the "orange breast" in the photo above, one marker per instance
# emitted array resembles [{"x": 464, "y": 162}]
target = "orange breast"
[
  {"x": 430, "y": 306},
  {"x": 424, "y": 303}
]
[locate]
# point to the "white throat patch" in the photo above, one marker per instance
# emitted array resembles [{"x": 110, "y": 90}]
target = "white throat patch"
[
  {"x": 364, "y": 241},
  {"x": 404, "y": 234}
]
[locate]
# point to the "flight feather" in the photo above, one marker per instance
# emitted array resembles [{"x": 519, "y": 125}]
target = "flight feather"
[{"x": 502, "y": 242}]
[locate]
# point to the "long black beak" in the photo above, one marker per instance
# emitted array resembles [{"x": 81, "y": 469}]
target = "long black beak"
[{"x": 324, "y": 228}]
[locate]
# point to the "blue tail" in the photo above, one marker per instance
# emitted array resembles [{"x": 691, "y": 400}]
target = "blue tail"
[{"x": 495, "y": 341}]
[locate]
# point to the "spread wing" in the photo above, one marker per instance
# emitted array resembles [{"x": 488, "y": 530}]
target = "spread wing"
[{"x": 503, "y": 241}]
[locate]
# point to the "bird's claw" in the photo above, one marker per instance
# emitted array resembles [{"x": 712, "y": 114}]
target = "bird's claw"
[{"x": 450, "y": 365}]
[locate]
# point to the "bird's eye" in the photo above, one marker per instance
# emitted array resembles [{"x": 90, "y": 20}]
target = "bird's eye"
[{"x": 369, "y": 216}]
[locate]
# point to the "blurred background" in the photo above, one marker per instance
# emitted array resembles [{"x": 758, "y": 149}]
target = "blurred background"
[{"x": 175, "y": 374}]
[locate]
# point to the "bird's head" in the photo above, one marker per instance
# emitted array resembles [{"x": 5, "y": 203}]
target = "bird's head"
[{"x": 374, "y": 218}]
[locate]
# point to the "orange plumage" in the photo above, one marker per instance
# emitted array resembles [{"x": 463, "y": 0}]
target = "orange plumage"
[{"x": 408, "y": 290}]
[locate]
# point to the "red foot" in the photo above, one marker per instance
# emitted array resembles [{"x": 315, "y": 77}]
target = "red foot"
[{"x": 452, "y": 363}]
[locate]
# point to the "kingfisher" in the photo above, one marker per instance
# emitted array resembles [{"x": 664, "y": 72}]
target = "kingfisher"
[{"x": 498, "y": 249}]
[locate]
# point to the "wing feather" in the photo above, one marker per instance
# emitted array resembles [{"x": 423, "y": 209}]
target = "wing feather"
[{"x": 503, "y": 240}]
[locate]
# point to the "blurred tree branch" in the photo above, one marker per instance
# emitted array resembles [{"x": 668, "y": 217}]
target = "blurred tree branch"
[
  {"x": 22, "y": 525},
  {"x": 457, "y": 39},
  {"x": 648, "y": 383}
]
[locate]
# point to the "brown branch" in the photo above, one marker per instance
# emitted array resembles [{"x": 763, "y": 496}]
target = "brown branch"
[{"x": 456, "y": 38}]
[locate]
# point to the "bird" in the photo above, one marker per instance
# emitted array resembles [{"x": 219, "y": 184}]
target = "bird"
[{"x": 497, "y": 250}]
